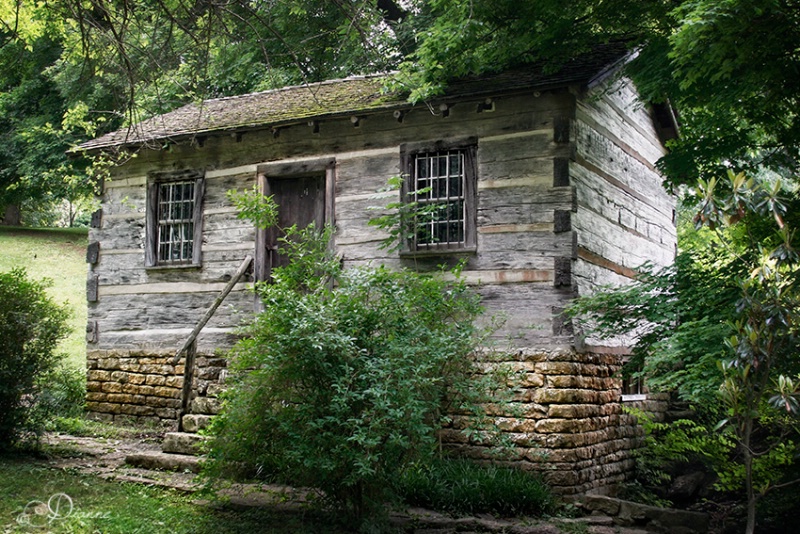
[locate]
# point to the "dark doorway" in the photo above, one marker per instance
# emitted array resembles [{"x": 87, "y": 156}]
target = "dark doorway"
[{"x": 301, "y": 201}]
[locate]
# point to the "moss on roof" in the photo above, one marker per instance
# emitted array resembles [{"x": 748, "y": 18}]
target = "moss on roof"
[{"x": 338, "y": 98}]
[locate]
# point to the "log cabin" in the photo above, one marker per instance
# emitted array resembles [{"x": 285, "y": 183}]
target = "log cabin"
[{"x": 551, "y": 188}]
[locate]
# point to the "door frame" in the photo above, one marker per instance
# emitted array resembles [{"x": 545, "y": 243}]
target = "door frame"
[{"x": 289, "y": 169}]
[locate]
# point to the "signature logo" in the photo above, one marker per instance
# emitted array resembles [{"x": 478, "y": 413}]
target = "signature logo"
[{"x": 38, "y": 514}]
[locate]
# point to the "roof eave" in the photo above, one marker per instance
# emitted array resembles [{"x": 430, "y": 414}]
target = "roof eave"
[{"x": 371, "y": 110}]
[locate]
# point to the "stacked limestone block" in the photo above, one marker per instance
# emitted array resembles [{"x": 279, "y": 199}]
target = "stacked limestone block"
[
  {"x": 566, "y": 419},
  {"x": 569, "y": 421},
  {"x": 144, "y": 386}
]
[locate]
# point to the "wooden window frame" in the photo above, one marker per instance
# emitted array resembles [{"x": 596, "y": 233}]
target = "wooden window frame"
[
  {"x": 468, "y": 147},
  {"x": 154, "y": 183}
]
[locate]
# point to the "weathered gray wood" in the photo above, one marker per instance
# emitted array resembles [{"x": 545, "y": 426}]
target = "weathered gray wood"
[
  {"x": 293, "y": 168},
  {"x": 91, "y": 332},
  {"x": 330, "y": 195},
  {"x": 528, "y": 313},
  {"x": 535, "y": 243},
  {"x": 92, "y": 252},
  {"x": 123, "y": 202},
  {"x": 122, "y": 222},
  {"x": 365, "y": 174},
  {"x": 562, "y": 221},
  {"x": 561, "y": 172},
  {"x": 91, "y": 287},
  {"x": 533, "y": 196},
  {"x": 530, "y": 214},
  {"x": 193, "y": 336},
  {"x": 523, "y": 145},
  {"x": 516, "y": 114},
  {"x": 261, "y": 269},
  {"x": 159, "y": 312},
  {"x": 97, "y": 218},
  {"x": 219, "y": 237},
  {"x": 561, "y": 127},
  {"x": 188, "y": 378},
  {"x": 536, "y": 170},
  {"x": 612, "y": 242},
  {"x": 151, "y": 226},
  {"x": 562, "y": 267},
  {"x": 217, "y": 188},
  {"x": 562, "y": 323},
  {"x": 525, "y": 212},
  {"x": 209, "y": 340},
  {"x": 621, "y": 209},
  {"x": 128, "y": 268},
  {"x": 614, "y": 127},
  {"x": 511, "y": 205},
  {"x": 587, "y": 277},
  {"x": 626, "y": 118},
  {"x": 594, "y": 149},
  {"x": 197, "y": 222}
]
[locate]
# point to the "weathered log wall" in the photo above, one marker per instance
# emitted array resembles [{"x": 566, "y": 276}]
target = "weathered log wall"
[
  {"x": 624, "y": 217},
  {"x": 563, "y": 204}
]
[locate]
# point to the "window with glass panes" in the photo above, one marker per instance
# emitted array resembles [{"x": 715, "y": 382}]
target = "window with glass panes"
[
  {"x": 174, "y": 219},
  {"x": 439, "y": 188},
  {"x": 176, "y": 222}
]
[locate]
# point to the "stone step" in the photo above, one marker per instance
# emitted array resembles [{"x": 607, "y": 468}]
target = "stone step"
[
  {"x": 183, "y": 443},
  {"x": 193, "y": 422},
  {"x": 650, "y": 518},
  {"x": 165, "y": 461},
  {"x": 205, "y": 405}
]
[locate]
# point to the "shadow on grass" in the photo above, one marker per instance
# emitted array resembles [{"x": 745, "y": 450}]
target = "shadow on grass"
[{"x": 95, "y": 505}]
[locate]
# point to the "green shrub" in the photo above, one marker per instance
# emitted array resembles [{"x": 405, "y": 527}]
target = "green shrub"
[
  {"x": 63, "y": 393},
  {"x": 465, "y": 487},
  {"x": 346, "y": 376},
  {"x": 31, "y": 325}
]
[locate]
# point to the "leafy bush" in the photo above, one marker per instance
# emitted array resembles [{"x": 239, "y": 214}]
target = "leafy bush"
[
  {"x": 63, "y": 393},
  {"x": 465, "y": 487},
  {"x": 31, "y": 325},
  {"x": 680, "y": 442},
  {"x": 676, "y": 318},
  {"x": 346, "y": 376}
]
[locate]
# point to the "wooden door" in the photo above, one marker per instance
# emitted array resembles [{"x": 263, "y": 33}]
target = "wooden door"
[{"x": 301, "y": 201}]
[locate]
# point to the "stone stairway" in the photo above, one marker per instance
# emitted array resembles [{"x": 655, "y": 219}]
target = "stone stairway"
[{"x": 181, "y": 451}]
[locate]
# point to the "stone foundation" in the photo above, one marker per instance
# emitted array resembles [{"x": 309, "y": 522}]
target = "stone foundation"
[
  {"x": 140, "y": 386},
  {"x": 568, "y": 421}
]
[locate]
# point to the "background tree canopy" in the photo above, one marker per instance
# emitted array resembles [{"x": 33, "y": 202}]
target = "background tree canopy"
[{"x": 72, "y": 69}]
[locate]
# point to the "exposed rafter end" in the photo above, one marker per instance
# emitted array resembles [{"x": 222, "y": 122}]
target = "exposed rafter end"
[
  {"x": 356, "y": 121},
  {"x": 486, "y": 105},
  {"x": 445, "y": 109},
  {"x": 276, "y": 132},
  {"x": 314, "y": 126},
  {"x": 399, "y": 115}
]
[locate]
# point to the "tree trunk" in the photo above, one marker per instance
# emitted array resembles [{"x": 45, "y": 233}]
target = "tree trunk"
[
  {"x": 12, "y": 215},
  {"x": 748, "y": 477}
]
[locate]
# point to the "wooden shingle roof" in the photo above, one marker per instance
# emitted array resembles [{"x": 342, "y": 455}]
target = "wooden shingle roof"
[{"x": 339, "y": 98}]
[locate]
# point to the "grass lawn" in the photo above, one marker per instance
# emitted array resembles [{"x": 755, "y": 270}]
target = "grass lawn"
[
  {"x": 58, "y": 254},
  {"x": 124, "y": 508}
]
